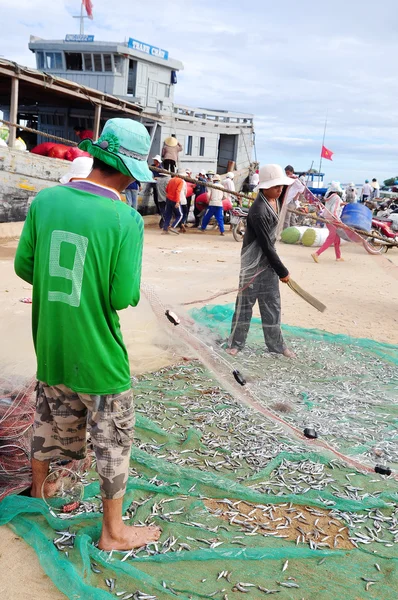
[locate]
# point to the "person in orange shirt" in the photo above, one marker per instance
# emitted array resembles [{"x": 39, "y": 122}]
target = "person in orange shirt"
[{"x": 173, "y": 195}]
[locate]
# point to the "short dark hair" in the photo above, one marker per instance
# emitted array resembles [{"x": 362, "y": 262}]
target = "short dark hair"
[
  {"x": 104, "y": 168},
  {"x": 78, "y": 128},
  {"x": 289, "y": 168},
  {"x": 374, "y": 179}
]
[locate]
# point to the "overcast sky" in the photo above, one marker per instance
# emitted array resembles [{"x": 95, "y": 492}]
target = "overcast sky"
[{"x": 289, "y": 63}]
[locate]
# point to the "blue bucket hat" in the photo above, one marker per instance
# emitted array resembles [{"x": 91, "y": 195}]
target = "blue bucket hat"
[{"x": 124, "y": 144}]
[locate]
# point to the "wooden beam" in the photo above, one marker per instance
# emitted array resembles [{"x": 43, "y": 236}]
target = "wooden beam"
[
  {"x": 97, "y": 121},
  {"x": 13, "y": 111},
  {"x": 86, "y": 94}
]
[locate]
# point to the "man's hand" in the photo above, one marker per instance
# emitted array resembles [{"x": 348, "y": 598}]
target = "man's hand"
[
  {"x": 177, "y": 205},
  {"x": 285, "y": 279}
]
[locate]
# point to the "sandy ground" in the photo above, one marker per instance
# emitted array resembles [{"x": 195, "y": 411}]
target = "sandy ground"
[{"x": 361, "y": 296}]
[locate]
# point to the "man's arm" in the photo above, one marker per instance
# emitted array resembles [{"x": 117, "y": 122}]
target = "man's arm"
[
  {"x": 261, "y": 228},
  {"x": 125, "y": 286},
  {"x": 24, "y": 257}
]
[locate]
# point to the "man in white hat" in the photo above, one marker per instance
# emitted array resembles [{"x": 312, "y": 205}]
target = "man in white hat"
[
  {"x": 261, "y": 267},
  {"x": 157, "y": 163},
  {"x": 229, "y": 185},
  {"x": 171, "y": 149},
  {"x": 291, "y": 196},
  {"x": 351, "y": 193}
]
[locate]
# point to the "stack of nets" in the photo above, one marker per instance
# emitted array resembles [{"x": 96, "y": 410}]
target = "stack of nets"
[{"x": 16, "y": 419}]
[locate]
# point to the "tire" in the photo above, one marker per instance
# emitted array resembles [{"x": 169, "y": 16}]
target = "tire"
[
  {"x": 238, "y": 230},
  {"x": 212, "y": 225},
  {"x": 373, "y": 246}
]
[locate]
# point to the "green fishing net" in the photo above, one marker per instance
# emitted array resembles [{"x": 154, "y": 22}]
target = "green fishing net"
[{"x": 198, "y": 448}]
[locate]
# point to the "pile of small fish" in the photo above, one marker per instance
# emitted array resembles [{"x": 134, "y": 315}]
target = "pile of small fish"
[
  {"x": 345, "y": 393},
  {"x": 197, "y": 427}
]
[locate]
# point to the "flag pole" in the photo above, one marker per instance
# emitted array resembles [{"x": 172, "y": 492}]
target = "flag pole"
[
  {"x": 81, "y": 20},
  {"x": 323, "y": 143}
]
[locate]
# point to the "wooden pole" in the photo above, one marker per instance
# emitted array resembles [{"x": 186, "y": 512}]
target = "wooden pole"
[
  {"x": 13, "y": 111},
  {"x": 97, "y": 121}
]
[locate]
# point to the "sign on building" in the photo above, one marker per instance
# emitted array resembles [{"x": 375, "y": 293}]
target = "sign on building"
[
  {"x": 151, "y": 50},
  {"x": 76, "y": 37}
]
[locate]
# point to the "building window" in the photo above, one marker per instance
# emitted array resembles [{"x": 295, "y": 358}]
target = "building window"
[
  {"x": 74, "y": 61},
  {"x": 202, "y": 146},
  {"x": 97, "y": 62},
  {"x": 53, "y": 61},
  {"x": 108, "y": 62},
  {"x": 40, "y": 60},
  {"x": 188, "y": 145},
  {"x": 88, "y": 62},
  {"x": 167, "y": 91},
  {"x": 118, "y": 62}
]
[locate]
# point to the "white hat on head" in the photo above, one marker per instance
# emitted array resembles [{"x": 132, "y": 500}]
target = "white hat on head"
[
  {"x": 230, "y": 175},
  {"x": 335, "y": 187},
  {"x": 216, "y": 177},
  {"x": 272, "y": 175},
  {"x": 158, "y": 158},
  {"x": 80, "y": 168}
]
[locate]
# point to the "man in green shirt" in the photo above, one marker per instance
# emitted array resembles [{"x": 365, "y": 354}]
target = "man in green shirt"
[{"x": 81, "y": 248}]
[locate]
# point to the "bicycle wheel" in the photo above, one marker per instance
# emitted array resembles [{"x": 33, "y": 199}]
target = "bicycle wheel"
[{"x": 238, "y": 230}]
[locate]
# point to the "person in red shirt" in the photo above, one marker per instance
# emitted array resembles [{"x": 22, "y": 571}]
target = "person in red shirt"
[
  {"x": 173, "y": 195},
  {"x": 83, "y": 134}
]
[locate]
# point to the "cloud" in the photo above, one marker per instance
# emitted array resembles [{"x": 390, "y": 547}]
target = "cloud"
[{"x": 289, "y": 64}]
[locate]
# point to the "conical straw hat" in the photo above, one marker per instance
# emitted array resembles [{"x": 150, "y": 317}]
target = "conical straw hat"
[{"x": 171, "y": 141}]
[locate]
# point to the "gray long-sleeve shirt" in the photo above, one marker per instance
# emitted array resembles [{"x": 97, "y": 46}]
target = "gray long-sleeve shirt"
[{"x": 262, "y": 222}]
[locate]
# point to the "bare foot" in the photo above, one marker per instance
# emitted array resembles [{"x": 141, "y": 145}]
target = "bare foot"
[
  {"x": 315, "y": 257},
  {"x": 232, "y": 351},
  {"x": 129, "y": 537},
  {"x": 339, "y": 259},
  {"x": 289, "y": 353}
]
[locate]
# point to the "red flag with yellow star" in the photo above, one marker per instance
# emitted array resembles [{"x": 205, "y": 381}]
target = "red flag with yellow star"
[{"x": 325, "y": 153}]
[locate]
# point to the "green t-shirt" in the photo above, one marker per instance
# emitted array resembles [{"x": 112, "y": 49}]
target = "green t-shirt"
[{"x": 81, "y": 248}]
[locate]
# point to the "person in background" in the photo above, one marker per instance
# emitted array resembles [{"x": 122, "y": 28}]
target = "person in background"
[
  {"x": 189, "y": 193},
  {"x": 367, "y": 191},
  {"x": 215, "y": 208},
  {"x": 131, "y": 193},
  {"x": 198, "y": 191},
  {"x": 261, "y": 268},
  {"x": 173, "y": 195},
  {"x": 292, "y": 196},
  {"x": 80, "y": 168},
  {"x": 182, "y": 217},
  {"x": 351, "y": 193},
  {"x": 162, "y": 185},
  {"x": 171, "y": 149},
  {"x": 332, "y": 213},
  {"x": 254, "y": 179},
  {"x": 230, "y": 187},
  {"x": 81, "y": 249},
  {"x": 209, "y": 176},
  {"x": 83, "y": 133},
  {"x": 375, "y": 189},
  {"x": 157, "y": 163}
]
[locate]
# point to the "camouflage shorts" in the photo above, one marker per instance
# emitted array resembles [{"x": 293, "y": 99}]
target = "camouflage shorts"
[{"x": 61, "y": 421}]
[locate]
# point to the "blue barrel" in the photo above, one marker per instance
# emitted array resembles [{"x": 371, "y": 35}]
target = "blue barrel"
[{"x": 357, "y": 215}]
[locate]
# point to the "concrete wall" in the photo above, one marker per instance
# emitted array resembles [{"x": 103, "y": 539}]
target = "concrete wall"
[{"x": 183, "y": 129}]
